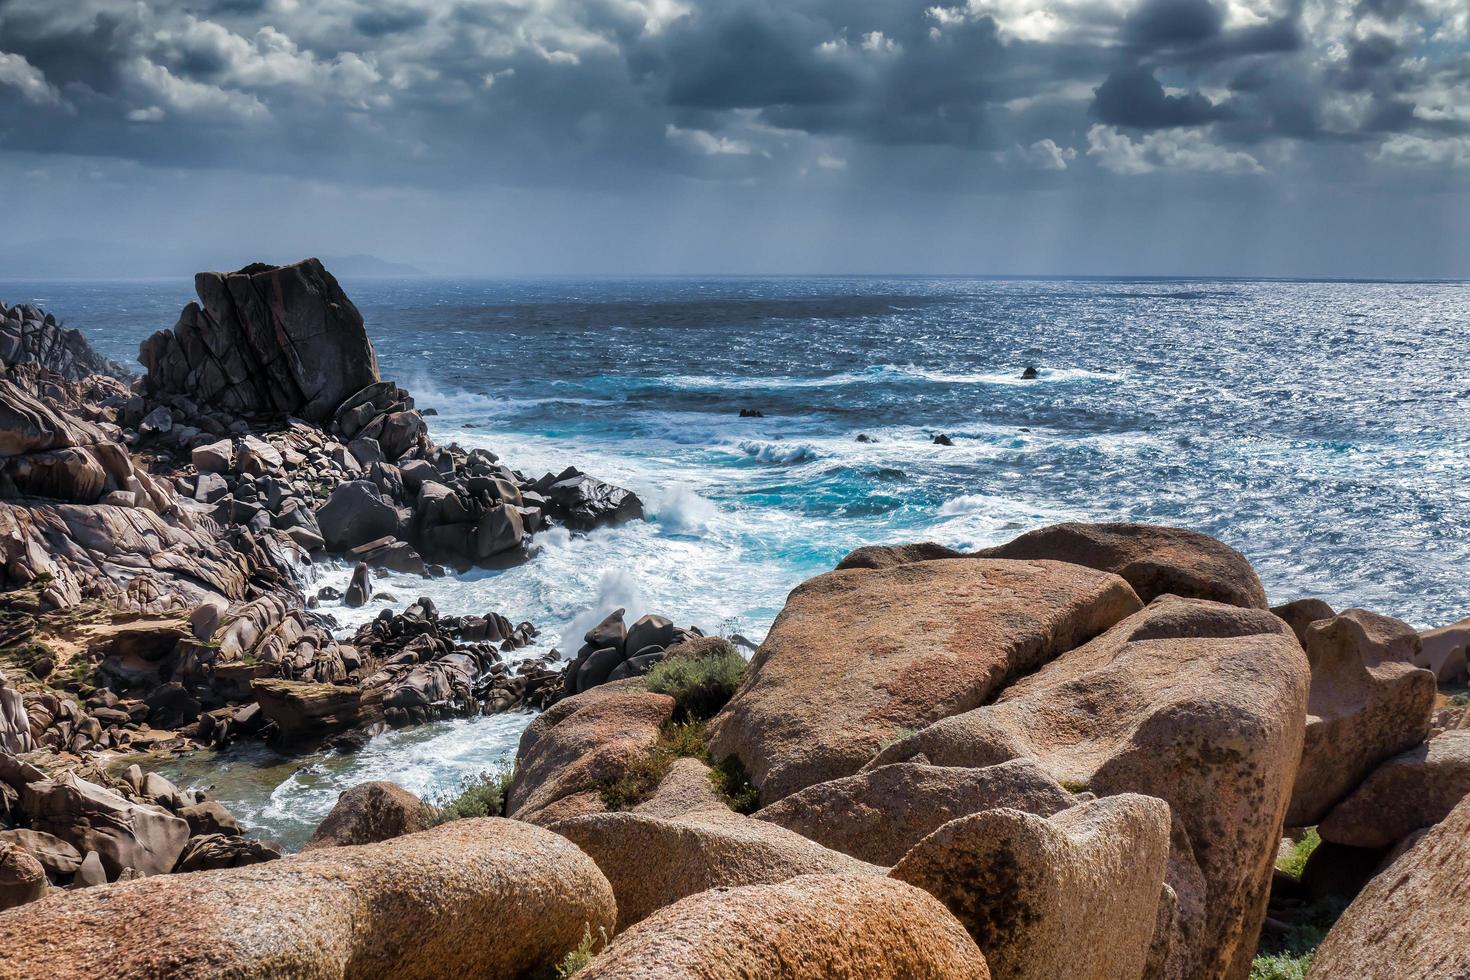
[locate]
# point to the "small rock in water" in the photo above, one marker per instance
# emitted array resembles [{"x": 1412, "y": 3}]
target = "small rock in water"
[
  {"x": 752, "y": 413},
  {"x": 864, "y": 437},
  {"x": 1030, "y": 374},
  {"x": 943, "y": 440}
]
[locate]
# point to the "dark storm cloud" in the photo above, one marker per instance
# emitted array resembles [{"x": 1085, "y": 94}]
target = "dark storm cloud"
[
  {"x": 1168, "y": 22},
  {"x": 603, "y": 92},
  {"x": 1136, "y": 98}
]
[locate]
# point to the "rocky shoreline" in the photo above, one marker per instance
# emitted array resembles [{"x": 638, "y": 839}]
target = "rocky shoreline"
[{"x": 1093, "y": 751}]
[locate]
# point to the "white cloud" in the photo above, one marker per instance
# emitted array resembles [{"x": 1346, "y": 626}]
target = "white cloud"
[
  {"x": 1168, "y": 150},
  {"x": 877, "y": 41},
  {"x": 705, "y": 143},
  {"x": 1420, "y": 151},
  {"x": 1046, "y": 155},
  {"x": 18, "y": 73},
  {"x": 829, "y": 162},
  {"x": 187, "y": 95},
  {"x": 149, "y": 115}
]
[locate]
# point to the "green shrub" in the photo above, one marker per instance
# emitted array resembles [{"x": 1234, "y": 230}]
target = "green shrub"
[
  {"x": 1295, "y": 860},
  {"x": 701, "y": 676},
  {"x": 582, "y": 955},
  {"x": 733, "y": 783},
  {"x": 478, "y": 796},
  {"x": 1280, "y": 966}
]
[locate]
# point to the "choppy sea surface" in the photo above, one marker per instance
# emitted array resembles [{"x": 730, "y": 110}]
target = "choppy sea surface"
[{"x": 1323, "y": 428}]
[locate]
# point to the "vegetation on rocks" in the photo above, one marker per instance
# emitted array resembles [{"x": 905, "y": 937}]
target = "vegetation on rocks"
[
  {"x": 1295, "y": 860},
  {"x": 482, "y": 795},
  {"x": 702, "y": 680}
]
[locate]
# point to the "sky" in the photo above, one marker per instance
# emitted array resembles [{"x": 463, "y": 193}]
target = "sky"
[{"x": 512, "y": 137}]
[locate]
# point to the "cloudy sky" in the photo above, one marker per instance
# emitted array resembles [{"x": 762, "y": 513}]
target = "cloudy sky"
[{"x": 1254, "y": 137}]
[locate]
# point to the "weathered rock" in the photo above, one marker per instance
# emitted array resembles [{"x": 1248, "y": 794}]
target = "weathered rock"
[
  {"x": 22, "y": 879},
  {"x": 124, "y": 834},
  {"x": 31, "y": 336},
  {"x": 301, "y": 709},
  {"x": 360, "y": 589},
  {"x": 1199, "y": 704},
  {"x": 213, "y": 852},
  {"x": 653, "y": 862},
  {"x": 583, "y": 503},
  {"x": 1301, "y": 613},
  {"x": 581, "y": 744},
  {"x": 888, "y": 555},
  {"x": 1411, "y": 920},
  {"x": 685, "y": 788},
  {"x": 1367, "y": 702},
  {"x": 1414, "y": 789},
  {"x": 91, "y": 873},
  {"x": 371, "y": 812},
  {"x": 814, "y": 927},
  {"x": 1154, "y": 560},
  {"x": 210, "y": 817},
  {"x": 1076, "y": 895},
  {"x": 15, "y": 724},
  {"x": 355, "y": 514},
  {"x": 880, "y": 814},
  {"x": 1444, "y": 651},
  {"x": 861, "y": 654},
  {"x": 481, "y": 898},
  {"x": 214, "y": 457},
  {"x": 650, "y": 631},
  {"x": 267, "y": 339},
  {"x": 59, "y": 858}
]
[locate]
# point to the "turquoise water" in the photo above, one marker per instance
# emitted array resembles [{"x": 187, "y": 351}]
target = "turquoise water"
[{"x": 1321, "y": 428}]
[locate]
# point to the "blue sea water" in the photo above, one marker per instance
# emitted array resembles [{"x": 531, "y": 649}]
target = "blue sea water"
[{"x": 1320, "y": 427}]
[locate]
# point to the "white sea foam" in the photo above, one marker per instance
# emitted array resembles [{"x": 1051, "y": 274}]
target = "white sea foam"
[{"x": 682, "y": 511}]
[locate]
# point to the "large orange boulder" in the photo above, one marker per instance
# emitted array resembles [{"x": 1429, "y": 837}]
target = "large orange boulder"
[
  {"x": 653, "y": 862},
  {"x": 1413, "y": 790},
  {"x": 815, "y": 927},
  {"x": 581, "y": 744},
  {"x": 1367, "y": 702},
  {"x": 861, "y": 655},
  {"x": 482, "y": 898},
  {"x": 1155, "y": 560},
  {"x": 1075, "y": 895},
  {"x": 1412, "y": 920},
  {"x": 1197, "y": 703},
  {"x": 880, "y": 814}
]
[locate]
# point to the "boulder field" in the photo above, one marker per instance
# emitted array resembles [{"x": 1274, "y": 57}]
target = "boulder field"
[
  {"x": 935, "y": 766},
  {"x": 1076, "y": 754}
]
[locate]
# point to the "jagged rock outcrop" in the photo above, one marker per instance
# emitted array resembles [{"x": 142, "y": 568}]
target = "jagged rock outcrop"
[
  {"x": 880, "y": 814},
  {"x": 1411, "y": 921},
  {"x": 484, "y": 898},
  {"x": 857, "y": 656},
  {"x": 613, "y": 651},
  {"x": 1200, "y": 704},
  {"x": 1410, "y": 791},
  {"x": 279, "y": 340},
  {"x": 814, "y": 927},
  {"x": 1155, "y": 560},
  {"x": 31, "y": 336},
  {"x": 653, "y": 862},
  {"x": 1367, "y": 702},
  {"x": 1075, "y": 895}
]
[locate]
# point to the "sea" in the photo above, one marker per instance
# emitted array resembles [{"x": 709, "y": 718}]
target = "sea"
[{"x": 1322, "y": 428}]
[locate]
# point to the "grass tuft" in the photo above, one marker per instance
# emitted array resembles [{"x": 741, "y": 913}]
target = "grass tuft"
[
  {"x": 1295, "y": 861},
  {"x": 701, "y": 676},
  {"x": 478, "y": 796}
]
